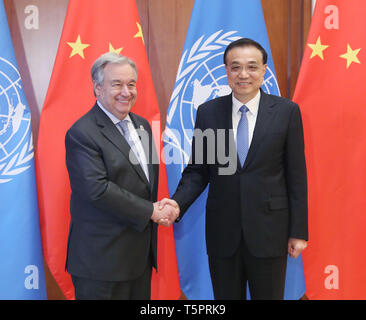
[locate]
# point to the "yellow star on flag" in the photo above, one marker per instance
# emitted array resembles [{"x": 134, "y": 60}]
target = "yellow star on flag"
[
  {"x": 317, "y": 48},
  {"x": 77, "y": 47},
  {"x": 351, "y": 55},
  {"x": 111, "y": 49},
  {"x": 139, "y": 33}
]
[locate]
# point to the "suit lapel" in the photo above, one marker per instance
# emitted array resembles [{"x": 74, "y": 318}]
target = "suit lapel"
[
  {"x": 147, "y": 144},
  {"x": 265, "y": 113},
  {"x": 228, "y": 112},
  {"x": 228, "y": 126},
  {"x": 109, "y": 130}
]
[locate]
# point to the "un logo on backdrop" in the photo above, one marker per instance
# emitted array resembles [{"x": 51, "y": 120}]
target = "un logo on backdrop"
[
  {"x": 201, "y": 77},
  {"x": 16, "y": 147}
]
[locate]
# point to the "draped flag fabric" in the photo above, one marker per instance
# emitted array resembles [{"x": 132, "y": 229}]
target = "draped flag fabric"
[
  {"x": 21, "y": 267},
  {"x": 92, "y": 28},
  {"x": 201, "y": 76},
  {"x": 331, "y": 94}
]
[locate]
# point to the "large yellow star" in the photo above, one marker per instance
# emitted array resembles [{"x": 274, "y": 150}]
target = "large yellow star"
[
  {"x": 111, "y": 49},
  {"x": 317, "y": 48},
  {"x": 77, "y": 47},
  {"x": 351, "y": 55},
  {"x": 139, "y": 33}
]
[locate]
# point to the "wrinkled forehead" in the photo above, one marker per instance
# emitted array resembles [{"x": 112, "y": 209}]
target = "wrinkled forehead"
[{"x": 113, "y": 71}]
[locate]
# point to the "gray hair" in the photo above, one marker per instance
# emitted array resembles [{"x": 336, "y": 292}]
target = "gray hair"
[{"x": 97, "y": 71}]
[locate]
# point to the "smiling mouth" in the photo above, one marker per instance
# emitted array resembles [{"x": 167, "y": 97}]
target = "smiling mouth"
[{"x": 123, "y": 101}]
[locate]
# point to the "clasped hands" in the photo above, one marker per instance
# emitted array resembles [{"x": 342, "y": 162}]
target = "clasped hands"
[{"x": 165, "y": 212}]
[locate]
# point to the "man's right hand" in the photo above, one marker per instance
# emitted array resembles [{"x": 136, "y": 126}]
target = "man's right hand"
[{"x": 165, "y": 212}]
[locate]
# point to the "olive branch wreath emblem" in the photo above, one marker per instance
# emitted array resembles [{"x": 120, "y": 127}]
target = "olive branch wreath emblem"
[
  {"x": 191, "y": 58},
  {"x": 18, "y": 163}
]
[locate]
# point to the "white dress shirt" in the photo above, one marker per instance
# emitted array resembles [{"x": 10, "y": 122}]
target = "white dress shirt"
[
  {"x": 251, "y": 115},
  {"x": 134, "y": 136}
]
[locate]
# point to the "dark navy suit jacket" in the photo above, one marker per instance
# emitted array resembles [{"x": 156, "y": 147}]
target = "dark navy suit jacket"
[
  {"x": 111, "y": 234},
  {"x": 266, "y": 199}
]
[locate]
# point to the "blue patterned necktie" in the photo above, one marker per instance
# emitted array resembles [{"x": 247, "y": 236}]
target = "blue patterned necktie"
[
  {"x": 242, "y": 136},
  {"x": 123, "y": 124}
]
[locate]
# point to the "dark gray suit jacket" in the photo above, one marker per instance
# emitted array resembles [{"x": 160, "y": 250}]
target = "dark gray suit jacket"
[
  {"x": 111, "y": 235},
  {"x": 266, "y": 200}
]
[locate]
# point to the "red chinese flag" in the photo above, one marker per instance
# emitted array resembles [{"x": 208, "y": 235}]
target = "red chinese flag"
[
  {"x": 92, "y": 28},
  {"x": 331, "y": 95}
]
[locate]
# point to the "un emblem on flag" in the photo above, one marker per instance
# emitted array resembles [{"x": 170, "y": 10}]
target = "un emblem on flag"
[
  {"x": 201, "y": 77},
  {"x": 16, "y": 147}
]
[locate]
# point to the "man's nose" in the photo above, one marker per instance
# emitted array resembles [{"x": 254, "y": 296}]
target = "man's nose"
[
  {"x": 125, "y": 91},
  {"x": 243, "y": 72}
]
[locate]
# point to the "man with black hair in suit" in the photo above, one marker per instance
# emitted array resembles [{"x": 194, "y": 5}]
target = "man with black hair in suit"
[{"x": 256, "y": 214}]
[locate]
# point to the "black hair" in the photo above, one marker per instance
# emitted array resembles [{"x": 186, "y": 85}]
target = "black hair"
[{"x": 246, "y": 42}]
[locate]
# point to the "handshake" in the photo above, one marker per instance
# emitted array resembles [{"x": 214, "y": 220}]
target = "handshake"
[{"x": 166, "y": 211}]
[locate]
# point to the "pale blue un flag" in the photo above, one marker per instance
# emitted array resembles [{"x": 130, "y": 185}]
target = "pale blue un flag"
[{"x": 21, "y": 268}]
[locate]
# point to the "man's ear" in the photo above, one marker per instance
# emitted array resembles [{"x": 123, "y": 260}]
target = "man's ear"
[
  {"x": 265, "y": 68},
  {"x": 96, "y": 88}
]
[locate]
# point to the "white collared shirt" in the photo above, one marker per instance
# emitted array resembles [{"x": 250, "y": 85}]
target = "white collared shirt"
[
  {"x": 134, "y": 136},
  {"x": 251, "y": 115}
]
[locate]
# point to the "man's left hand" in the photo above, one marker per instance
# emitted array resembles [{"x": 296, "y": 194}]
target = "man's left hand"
[{"x": 296, "y": 246}]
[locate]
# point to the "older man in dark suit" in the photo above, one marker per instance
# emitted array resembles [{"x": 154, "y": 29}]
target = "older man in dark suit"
[
  {"x": 256, "y": 213},
  {"x": 114, "y": 180}
]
